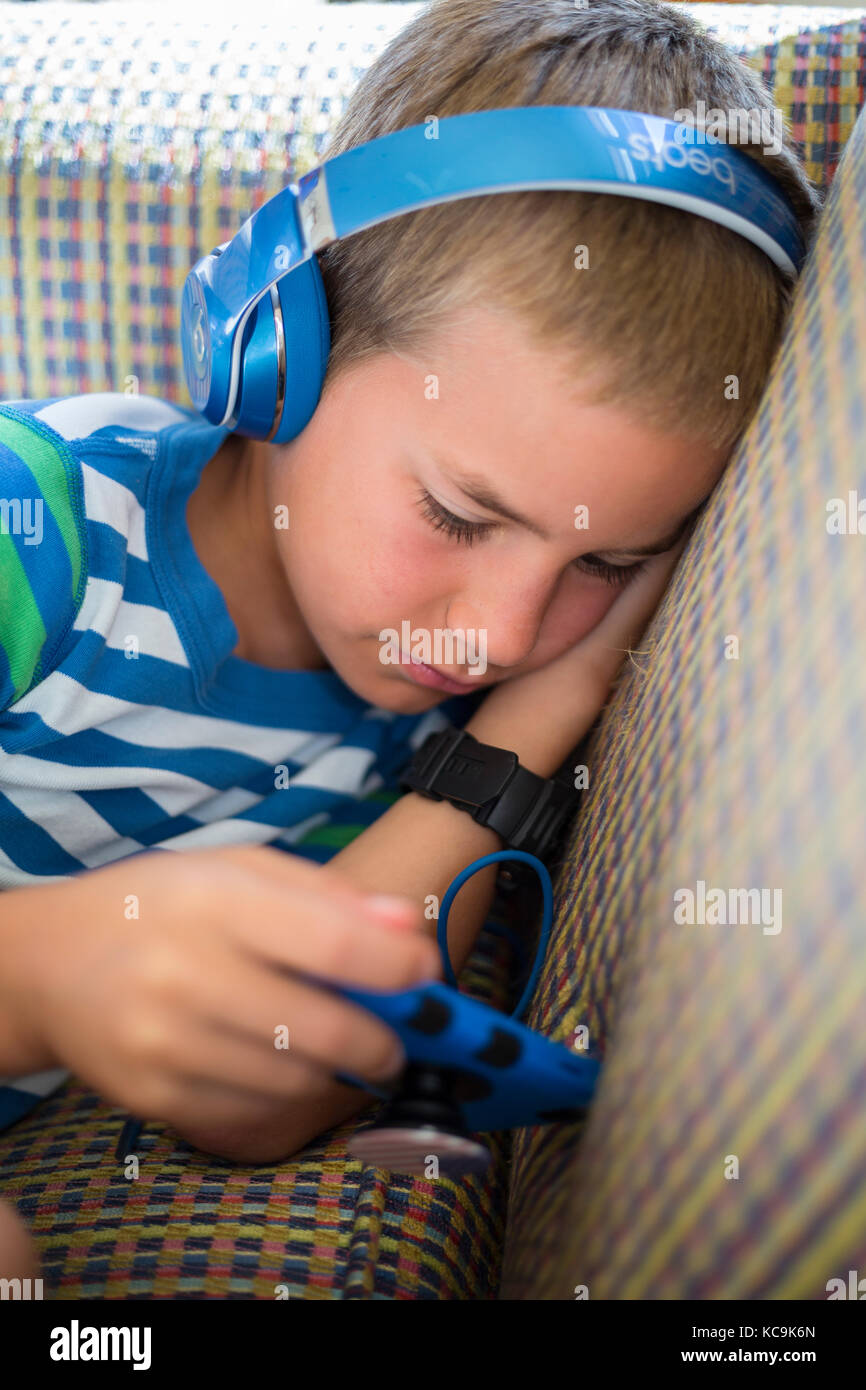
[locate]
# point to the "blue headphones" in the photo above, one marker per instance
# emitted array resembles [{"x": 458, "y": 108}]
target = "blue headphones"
[{"x": 255, "y": 332}]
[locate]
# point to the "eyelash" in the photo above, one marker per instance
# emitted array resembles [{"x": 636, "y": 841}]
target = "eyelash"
[{"x": 459, "y": 529}]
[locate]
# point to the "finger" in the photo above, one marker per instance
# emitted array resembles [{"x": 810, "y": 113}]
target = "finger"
[
  {"x": 219, "y": 1118},
  {"x": 382, "y": 908},
  {"x": 388, "y": 909},
  {"x": 311, "y": 931},
  {"x": 219, "y": 1075},
  {"x": 257, "y": 1007},
  {"x": 287, "y": 868},
  {"x": 206, "y": 1107}
]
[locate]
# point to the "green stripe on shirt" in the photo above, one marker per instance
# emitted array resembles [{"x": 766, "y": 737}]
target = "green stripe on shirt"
[
  {"x": 51, "y": 470},
  {"x": 339, "y": 835},
  {"x": 25, "y": 642}
]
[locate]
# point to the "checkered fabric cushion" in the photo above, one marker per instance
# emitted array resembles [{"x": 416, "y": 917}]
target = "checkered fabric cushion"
[{"x": 725, "y": 1153}]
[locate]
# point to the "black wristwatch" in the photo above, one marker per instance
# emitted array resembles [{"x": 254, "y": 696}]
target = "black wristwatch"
[{"x": 526, "y": 810}]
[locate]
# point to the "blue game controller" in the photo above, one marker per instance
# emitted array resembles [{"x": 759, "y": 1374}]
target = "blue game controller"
[
  {"x": 497, "y": 1073},
  {"x": 469, "y": 1068}
]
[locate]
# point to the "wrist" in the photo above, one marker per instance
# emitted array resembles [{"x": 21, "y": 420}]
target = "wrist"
[
  {"x": 527, "y": 809},
  {"x": 540, "y": 747}
]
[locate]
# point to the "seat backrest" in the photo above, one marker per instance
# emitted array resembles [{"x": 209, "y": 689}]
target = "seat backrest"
[
  {"x": 710, "y": 924},
  {"x": 129, "y": 149}
]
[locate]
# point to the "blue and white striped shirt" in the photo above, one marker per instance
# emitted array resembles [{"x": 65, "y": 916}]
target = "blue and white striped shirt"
[{"x": 126, "y": 724}]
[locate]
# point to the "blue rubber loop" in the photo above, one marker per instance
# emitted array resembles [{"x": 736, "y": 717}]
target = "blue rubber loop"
[{"x": 454, "y": 888}]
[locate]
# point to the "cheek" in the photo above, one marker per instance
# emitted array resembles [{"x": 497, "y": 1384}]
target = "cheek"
[
  {"x": 361, "y": 558},
  {"x": 396, "y": 568},
  {"x": 318, "y": 556},
  {"x": 403, "y": 567}
]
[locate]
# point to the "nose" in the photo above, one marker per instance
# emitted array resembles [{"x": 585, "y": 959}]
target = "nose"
[{"x": 511, "y": 622}]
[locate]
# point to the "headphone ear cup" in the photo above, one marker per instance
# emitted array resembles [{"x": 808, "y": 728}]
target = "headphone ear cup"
[
  {"x": 304, "y": 333},
  {"x": 307, "y": 332}
]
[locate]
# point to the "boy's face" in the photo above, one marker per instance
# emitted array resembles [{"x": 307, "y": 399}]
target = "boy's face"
[{"x": 362, "y": 555}]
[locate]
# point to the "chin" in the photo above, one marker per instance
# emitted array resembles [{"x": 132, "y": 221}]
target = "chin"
[
  {"x": 399, "y": 696},
  {"x": 390, "y": 692},
  {"x": 409, "y": 701}
]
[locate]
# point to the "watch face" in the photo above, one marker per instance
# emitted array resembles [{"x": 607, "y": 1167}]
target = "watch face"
[{"x": 413, "y": 1149}]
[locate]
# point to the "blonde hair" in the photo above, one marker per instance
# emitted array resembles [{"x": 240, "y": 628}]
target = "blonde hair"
[{"x": 672, "y": 305}]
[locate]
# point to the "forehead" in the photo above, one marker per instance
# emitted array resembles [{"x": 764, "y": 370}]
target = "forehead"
[{"x": 521, "y": 416}]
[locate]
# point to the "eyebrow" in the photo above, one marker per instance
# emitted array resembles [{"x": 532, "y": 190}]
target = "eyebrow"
[{"x": 481, "y": 492}]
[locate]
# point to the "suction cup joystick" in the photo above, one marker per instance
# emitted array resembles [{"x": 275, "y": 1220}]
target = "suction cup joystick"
[{"x": 421, "y": 1123}]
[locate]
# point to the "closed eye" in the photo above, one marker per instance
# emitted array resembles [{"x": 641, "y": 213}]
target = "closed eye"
[
  {"x": 459, "y": 529},
  {"x": 611, "y": 574}
]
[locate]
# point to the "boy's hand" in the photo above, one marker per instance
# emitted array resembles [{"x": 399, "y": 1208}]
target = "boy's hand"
[
  {"x": 173, "y": 1012},
  {"x": 541, "y": 715}
]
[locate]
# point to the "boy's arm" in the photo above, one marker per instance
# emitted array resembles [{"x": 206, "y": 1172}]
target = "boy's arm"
[{"x": 417, "y": 846}]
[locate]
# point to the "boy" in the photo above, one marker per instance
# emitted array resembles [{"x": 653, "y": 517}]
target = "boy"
[{"x": 176, "y": 651}]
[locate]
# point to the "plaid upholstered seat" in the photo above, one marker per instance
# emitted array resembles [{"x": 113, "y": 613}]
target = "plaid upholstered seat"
[{"x": 128, "y": 158}]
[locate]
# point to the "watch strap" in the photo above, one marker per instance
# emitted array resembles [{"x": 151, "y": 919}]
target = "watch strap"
[{"x": 526, "y": 810}]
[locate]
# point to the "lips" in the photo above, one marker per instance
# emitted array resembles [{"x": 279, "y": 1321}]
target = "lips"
[{"x": 425, "y": 675}]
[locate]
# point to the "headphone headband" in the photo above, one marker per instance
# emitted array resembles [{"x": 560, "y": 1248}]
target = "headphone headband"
[{"x": 589, "y": 148}]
